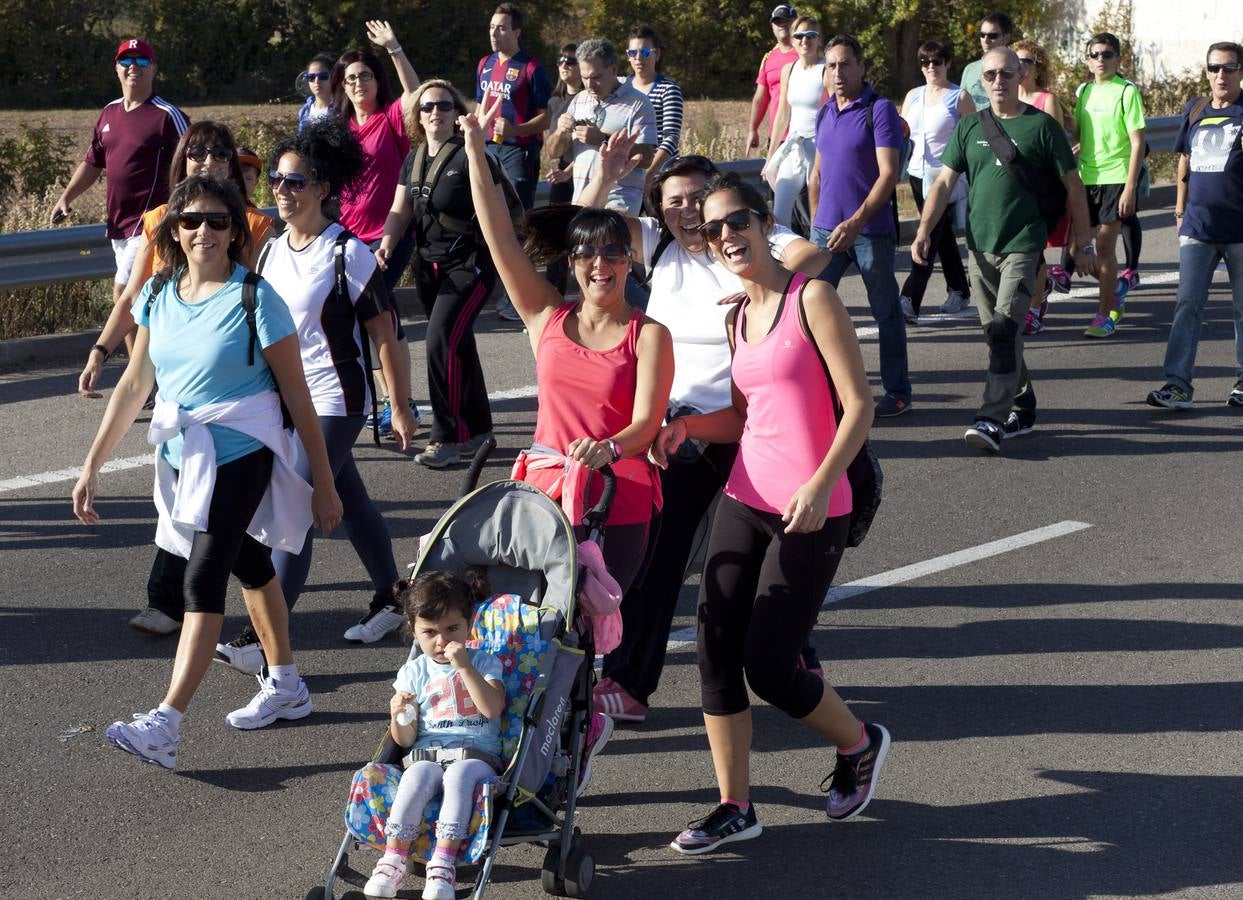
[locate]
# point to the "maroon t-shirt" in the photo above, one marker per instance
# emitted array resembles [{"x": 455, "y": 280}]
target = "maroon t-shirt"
[{"x": 135, "y": 148}]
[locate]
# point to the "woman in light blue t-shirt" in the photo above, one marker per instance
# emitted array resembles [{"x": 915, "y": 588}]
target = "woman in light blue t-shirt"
[{"x": 195, "y": 337}]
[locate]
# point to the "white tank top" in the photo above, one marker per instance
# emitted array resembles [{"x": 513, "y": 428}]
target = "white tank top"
[
  {"x": 931, "y": 127},
  {"x": 804, "y": 88}
]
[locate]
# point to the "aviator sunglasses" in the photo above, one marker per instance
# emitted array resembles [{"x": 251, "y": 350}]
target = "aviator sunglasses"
[
  {"x": 992, "y": 75},
  {"x": 193, "y": 221},
  {"x": 640, "y": 53},
  {"x": 293, "y": 182},
  {"x": 1214, "y": 68},
  {"x": 200, "y": 153}
]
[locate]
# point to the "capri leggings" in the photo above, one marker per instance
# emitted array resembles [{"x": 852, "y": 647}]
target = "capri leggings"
[
  {"x": 364, "y": 525},
  {"x": 423, "y": 781},
  {"x": 758, "y": 601},
  {"x": 225, "y": 547}
]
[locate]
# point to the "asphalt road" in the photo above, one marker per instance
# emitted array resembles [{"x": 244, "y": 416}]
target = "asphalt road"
[{"x": 1067, "y": 712}]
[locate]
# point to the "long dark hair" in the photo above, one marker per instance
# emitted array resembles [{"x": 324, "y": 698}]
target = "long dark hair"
[
  {"x": 552, "y": 231},
  {"x": 331, "y": 151},
  {"x": 341, "y": 104},
  {"x": 562, "y": 89},
  {"x": 196, "y": 187},
  {"x": 679, "y": 165},
  {"x": 206, "y": 134}
]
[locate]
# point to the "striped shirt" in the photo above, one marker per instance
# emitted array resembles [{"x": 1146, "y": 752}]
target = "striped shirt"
[{"x": 666, "y": 99}]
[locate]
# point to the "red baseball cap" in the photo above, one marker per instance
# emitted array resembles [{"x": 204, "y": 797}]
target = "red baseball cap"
[{"x": 134, "y": 47}]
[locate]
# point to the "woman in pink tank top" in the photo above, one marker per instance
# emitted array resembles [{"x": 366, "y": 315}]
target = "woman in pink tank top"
[
  {"x": 603, "y": 369},
  {"x": 779, "y": 531}
]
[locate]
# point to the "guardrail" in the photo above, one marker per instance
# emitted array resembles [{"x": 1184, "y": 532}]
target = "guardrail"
[{"x": 83, "y": 252}]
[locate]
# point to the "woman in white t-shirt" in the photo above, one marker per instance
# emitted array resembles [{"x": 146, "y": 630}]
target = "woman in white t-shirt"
[
  {"x": 308, "y": 172},
  {"x": 803, "y": 92},
  {"x": 687, "y": 287}
]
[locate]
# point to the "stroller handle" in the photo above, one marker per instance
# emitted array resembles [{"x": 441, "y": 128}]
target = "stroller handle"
[
  {"x": 476, "y": 465},
  {"x": 595, "y": 517}
]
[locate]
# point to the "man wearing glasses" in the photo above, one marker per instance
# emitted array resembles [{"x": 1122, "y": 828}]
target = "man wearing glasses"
[
  {"x": 134, "y": 139},
  {"x": 1206, "y": 210},
  {"x": 1006, "y": 234},
  {"x": 996, "y": 30},
  {"x": 1109, "y": 119},
  {"x": 768, "y": 81}
]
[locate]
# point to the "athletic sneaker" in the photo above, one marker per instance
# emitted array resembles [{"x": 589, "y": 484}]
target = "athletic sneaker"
[
  {"x": 1119, "y": 308},
  {"x": 148, "y": 736},
  {"x": 440, "y": 883},
  {"x": 440, "y": 455},
  {"x": 1016, "y": 425},
  {"x": 810, "y": 661},
  {"x": 908, "y": 311},
  {"x": 152, "y": 621},
  {"x": 724, "y": 825},
  {"x": 272, "y": 703},
  {"x": 378, "y": 622},
  {"x": 615, "y": 701},
  {"x": 1131, "y": 276},
  {"x": 854, "y": 779},
  {"x": 243, "y": 653},
  {"x": 1033, "y": 323},
  {"x": 1101, "y": 327},
  {"x": 956, "y": 304},
  {"x": 889, "y": 406},
  {"x": 386, "y": 418},
  {"x": 386, "y": 878},
  {"x": 468, "y": 448},
  {"x": 505, "y": 310},
  {"x": 599, "y": 732},
  {"x": 985, "y": 434},
  {"x": 1059, "y": 278},
  {"x": 1236, "y": 395},
  {"x": 1173, "y": 397}
]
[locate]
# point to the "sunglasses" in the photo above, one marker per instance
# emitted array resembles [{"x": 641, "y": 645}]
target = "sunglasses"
[
  {"x": 931, "y": 61},
  {"x": 360, "y": 78},
  {"x": 990, "y": 35},
  {"x": 567, "y": 60},
  {"x": 1102, "y": 54},
  {"x": 316, "y": 76},
  {"x": 1026, "y": 61},
  {"x": 1214, "y": 68},
  {"x": 641, "y": 53},
  {"x": 126, "y": 61},
  {"x": 442, "y": 105},
  {"x": 805, "y": 35},
  {"x": 738, "y": 220},
  {"x": 200, "y": 153},
  {"x": 193, "y": 221},
  {"x": 293, "y": 182},
  {"x": 610, "y": 253},
  {"x": 992, "y": 75}
]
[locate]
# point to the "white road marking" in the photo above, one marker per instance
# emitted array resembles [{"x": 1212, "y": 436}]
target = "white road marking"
[{"x": 685, "y": 637}]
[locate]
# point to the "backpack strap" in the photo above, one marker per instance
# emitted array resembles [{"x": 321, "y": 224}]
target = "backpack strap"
[
  {"x": 341, "y": 287},
  {"x": 1196, "y": 113},
  {"x": 249, "y": 285},
  {"x": 157, "y": 282},
  {"x": 662, "y": 244},
  {"x": 428, "y": 181}
]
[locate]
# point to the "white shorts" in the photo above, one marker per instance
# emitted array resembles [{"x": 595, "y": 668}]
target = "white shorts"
[{"x": 125, "y": 249}]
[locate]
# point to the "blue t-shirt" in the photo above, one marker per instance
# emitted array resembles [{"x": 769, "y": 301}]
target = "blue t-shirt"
[
  {"x": 448, "y": 716},
  {"x": 848, "y": 167},
  {"x": 523, "y": 83},
  {"x": 199, "y": 352},
  {"x": 1215, "y": 183}
]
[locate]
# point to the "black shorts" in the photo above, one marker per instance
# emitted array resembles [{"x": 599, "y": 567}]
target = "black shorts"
[{"x": 1103, "y": 202}]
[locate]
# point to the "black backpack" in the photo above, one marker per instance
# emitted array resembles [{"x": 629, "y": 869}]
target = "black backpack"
[
  {"x": 424, "y": 178},
  {"x": 1046, "y": 187},
  {"x": 341, "y": 288}
]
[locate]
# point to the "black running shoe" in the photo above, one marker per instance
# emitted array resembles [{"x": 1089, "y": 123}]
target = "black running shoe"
[
  {"x": 243, "y": 653},
  {"x": 855, "y": 777},
  {"x": 723, "y": 825}
]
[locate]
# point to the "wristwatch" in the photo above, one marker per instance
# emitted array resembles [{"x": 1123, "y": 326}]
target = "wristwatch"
[
  {"x": 615, "y": 449},
  {"x": 1089, "y": 248}
]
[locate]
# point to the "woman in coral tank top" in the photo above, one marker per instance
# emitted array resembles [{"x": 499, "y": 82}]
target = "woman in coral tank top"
[
  {"x": 604, "y": 369},
  {"x": 779, "y": 531}
]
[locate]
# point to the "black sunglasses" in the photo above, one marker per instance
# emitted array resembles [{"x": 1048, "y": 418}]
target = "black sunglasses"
[
  {"x": 442, "y": 105},
  {"x": 1101, "y": 54},
  {"x": 193, "y": 221},
  {"x": 567, "y": 60},
  {"x": 316, "y": 76},
  {"x": 610, "y": 253},
  {"x": 931, "y": 61},
  {"x": 991, "y": 75},
  {"x": 738, "y": 220},
  {"x": 990, "y": 35},
  {"x": 805, "y": 35},
  {"x": 1214, "y": 68},
  {"x": 293, "y": 182},
  {"x": 200, "y": 153}
]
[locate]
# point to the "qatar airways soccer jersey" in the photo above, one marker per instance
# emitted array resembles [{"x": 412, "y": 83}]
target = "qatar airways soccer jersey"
[{"x": 524, "y": 84}]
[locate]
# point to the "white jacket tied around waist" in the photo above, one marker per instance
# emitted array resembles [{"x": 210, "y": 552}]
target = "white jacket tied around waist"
[{"x": 183, "y": 501}]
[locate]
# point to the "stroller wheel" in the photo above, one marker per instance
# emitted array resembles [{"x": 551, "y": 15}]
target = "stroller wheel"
[
  {"x": 316, "y": 893},
  {"x": 580, "y": 869},
  {"x": 548, "y": 877}
]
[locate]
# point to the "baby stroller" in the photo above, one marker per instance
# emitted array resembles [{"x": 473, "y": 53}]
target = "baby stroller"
[{"x": 531, "y": 622}]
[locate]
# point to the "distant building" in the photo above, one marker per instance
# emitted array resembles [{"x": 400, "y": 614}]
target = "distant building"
[{"x": 1170, "y": 37}]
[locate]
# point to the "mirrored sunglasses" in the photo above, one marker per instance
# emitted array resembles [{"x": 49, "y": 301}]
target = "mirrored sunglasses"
[
  {"x": 126, "y": 61},
  {"x": 640, "y": 53}
]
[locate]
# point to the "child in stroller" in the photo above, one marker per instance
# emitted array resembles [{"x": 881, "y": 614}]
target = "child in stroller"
[{"x": 446, "y": 708}]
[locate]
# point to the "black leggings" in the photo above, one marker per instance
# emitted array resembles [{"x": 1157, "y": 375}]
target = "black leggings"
[
  {"x": 225, "y": 547},
  {"x": 761, "y": 592},
  {"x": 944, "y": 248}
]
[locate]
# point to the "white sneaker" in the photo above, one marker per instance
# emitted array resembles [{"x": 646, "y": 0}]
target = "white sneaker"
[
  {"x": 152, "y": 621},
  {"x": 957, "y": 304},
  {"x": 270, "y": 704},
  {"x": 375, "y": 625},
  {"x": 149, "y": 737},
  {"x": 243, "y": 653},
  {"x": 386, "y": 878},
  {"x": 441, "y": 883},
  {"x": 908, "y": 311}
]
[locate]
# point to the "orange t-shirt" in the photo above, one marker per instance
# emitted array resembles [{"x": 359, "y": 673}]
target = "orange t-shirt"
[{"x": 260, "y": 228}]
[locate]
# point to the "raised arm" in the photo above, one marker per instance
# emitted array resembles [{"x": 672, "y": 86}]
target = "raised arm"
[
  {"x": 533, "y": 297},
  {"x": 381, "y": 32},
  {"x": 617, "y": 160}
]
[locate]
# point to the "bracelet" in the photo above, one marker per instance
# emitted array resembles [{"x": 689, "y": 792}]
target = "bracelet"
[
  {"x": 102, "y": 349},
  {"x": 395, "y": 50},
  {"x": 615, "y": 450}
]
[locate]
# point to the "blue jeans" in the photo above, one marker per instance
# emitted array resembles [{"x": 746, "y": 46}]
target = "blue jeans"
[
  {"x": 874, "y": 255},
  {"x": 521, "y": 164},
  {"x": 1196, "y": 263}
]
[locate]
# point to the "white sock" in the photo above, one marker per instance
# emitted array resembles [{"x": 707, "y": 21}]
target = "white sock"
[
  {"x": 284, "y": 676},
  {"x": 171, "y": 715}
]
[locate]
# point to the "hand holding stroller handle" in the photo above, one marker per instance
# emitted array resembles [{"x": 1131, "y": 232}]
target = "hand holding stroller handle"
[{"x": 598, "y": 514}]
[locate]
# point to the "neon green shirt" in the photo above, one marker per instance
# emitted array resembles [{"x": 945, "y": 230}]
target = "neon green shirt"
[{"x": 1106, "y": 114}]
